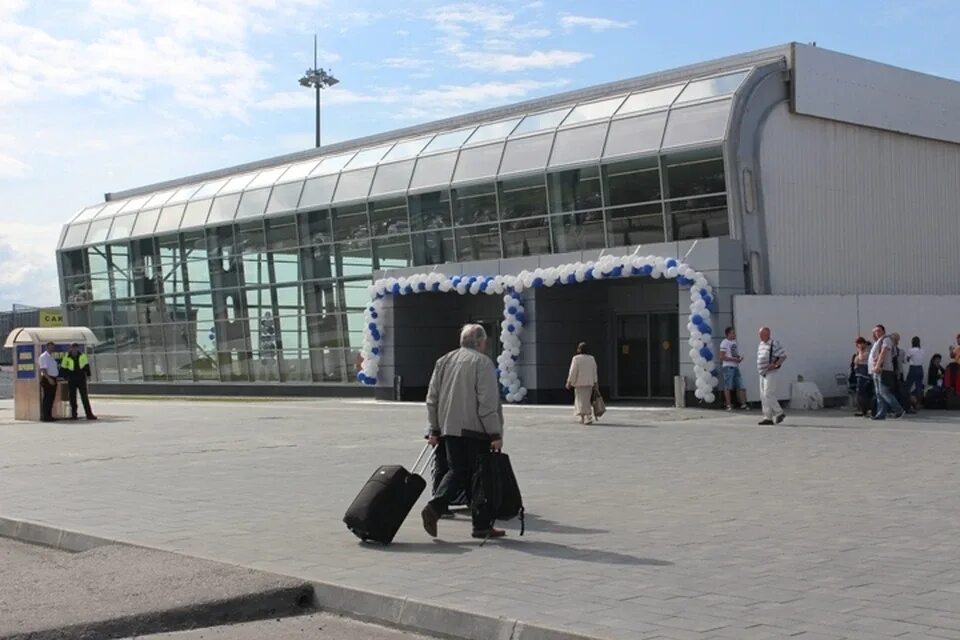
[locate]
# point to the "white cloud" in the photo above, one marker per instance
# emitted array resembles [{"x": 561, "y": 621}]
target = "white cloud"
[
  {"x": 513, "y": 62},
  {"x": 594, "y": 24},
  {"x": 10, "y": 167},
  {"x": 406, "y": 63},
  {"x": 29, "y": 273}
]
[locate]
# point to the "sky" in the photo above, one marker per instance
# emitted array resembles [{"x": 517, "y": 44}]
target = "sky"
[{"x": 99, "y": 96}]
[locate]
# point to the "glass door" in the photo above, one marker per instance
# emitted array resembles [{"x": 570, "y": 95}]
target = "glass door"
[
  {"x": 664, "y": 353},
  {"x": 633, "y": 364}
]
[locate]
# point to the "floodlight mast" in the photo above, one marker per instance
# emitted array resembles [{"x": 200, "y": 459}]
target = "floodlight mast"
[{"x": 318, "y": 79}]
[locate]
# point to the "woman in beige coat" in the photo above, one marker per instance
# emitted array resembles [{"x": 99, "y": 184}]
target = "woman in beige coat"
[{"x": 582, "y": 379}]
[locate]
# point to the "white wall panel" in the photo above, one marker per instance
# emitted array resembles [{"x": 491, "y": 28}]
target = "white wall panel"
[
  {"x": 832, "y": 85},
  {"x": 849, "y": 209}
]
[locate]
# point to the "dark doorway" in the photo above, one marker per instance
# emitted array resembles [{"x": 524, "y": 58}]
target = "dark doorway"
[{"x": 647, "y": 355}]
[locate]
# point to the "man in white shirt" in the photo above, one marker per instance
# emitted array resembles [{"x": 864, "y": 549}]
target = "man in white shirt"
[
  {"x": 732, "y": 378},
  {"x": 49, "y": 372},
  {"x": 770, "y": 357},
  {"x": 884, "y": 378}
]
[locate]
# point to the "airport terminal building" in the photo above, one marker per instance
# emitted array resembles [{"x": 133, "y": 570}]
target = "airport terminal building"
[{"x": 806, "y": 185}]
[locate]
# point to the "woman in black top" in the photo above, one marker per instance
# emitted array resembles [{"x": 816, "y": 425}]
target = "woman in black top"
[{"x": 935, "y": 371}]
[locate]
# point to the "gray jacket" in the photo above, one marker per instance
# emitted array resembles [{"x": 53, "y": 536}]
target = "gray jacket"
[{"x": 463, "y": 399}]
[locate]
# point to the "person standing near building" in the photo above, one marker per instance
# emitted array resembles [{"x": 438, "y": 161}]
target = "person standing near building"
[
  {"x": 732, "y": 378},
  {"x": 916, "y": 360},
  {"x": 49, "y": 372},
  {"x": 770, "y": 357},
  {"x": 881, "y": 366},
  {"x": 583, "y": 378},
  {"x": 76, "y": 369},
  {"x": 465, "y": 414},
  {"x": 899, "y": 366}
]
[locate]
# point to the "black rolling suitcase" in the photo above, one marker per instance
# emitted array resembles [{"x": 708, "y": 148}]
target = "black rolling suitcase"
[{"x": 385, "y": 500}]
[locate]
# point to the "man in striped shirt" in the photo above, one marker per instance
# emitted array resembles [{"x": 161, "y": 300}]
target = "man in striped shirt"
[{"x": 770, "y": 357}]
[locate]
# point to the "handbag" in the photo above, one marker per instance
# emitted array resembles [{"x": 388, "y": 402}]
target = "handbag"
[{"x": 596, "y": 401}]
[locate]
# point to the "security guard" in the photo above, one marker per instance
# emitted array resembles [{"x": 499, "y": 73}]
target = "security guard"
[
  {"x": 75, "y": 367},
  {"x": 49, "y": 372}
]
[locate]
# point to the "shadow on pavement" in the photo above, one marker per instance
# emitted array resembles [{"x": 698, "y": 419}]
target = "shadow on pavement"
[
  {"x": 620, "y": 425},
  {"x": 564, "y": 552},
  {"x": 536, "y": 523},
  {"x": 435, "y": 546}
]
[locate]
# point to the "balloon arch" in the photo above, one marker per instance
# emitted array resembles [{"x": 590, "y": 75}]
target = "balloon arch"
[{"x": 509, "y": 286}]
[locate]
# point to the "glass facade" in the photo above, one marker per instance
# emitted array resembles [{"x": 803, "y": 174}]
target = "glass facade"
[{"x": 263, "y": 277}]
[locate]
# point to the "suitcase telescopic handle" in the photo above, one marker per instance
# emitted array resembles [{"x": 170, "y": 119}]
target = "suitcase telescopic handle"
[{"x": 423, "y": 453}]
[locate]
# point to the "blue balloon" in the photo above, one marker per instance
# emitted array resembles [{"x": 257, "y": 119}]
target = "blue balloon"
[
  {"x": 511, "y": 328},
  {"x": 696, "y": 319},
  {"x": 484, "y": 285},
  {"x": 572, "y": 278},
  {"x": 588, "y": 274},
  {"x": 376, "y": 351},
  {"x": 672, "y": 263},
  {"x": 370, "y": 381},
  {"x": 361, "y": 376},
  {"x": 455, "y": 280},
  {"x": 471, "y": 280},
  {"x": 512, "y": 310},
  {"x": 514, "y": 358},
  {"x": 396, "y": 288},
  {"x": 498, "y": 372},
  {"x": 706, "y": 353},
  {"x": 375, "y": 335},
  {"x": 408, "y": 290},
  {"x": 436, "y": 286},
  {"x": 379, "y": 296},
  {"x": 372, "y": 309},
  {"x": 617, "y": 272},
  {"x": 646, "y": 269},
  {"x": 374, "y": 315},
  {"x": 705, "y": 328},
  {"x": 422, "y": 286},
  {"x": 537, "y": 283},
  {"x": 636, "y": 271},
  {"x": 522, "y": 318},
  {"x": 372, "y": 326}
]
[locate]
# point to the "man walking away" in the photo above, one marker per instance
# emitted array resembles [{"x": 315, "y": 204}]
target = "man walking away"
[
  {"x": 465, "y": 414},
  {"x": 881, "y": 366},
  {"x": 770, "y": 357},
  {"x": 76, "y": 369},
  {"x": 899, "y": 366},
  {"x": 732, "y": 378},
  {"x": 916, "y": 360},
  {"x": 49, "y": 372}
]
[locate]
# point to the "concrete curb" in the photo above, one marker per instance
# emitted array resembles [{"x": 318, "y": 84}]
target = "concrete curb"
[{"x": 369, "y": 606}]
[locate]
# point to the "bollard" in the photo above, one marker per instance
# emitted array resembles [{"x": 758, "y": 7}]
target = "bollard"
[{"x": 679, "y": 392}]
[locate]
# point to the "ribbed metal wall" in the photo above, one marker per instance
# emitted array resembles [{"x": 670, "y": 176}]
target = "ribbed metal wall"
[{"x": 850, "y": 209}]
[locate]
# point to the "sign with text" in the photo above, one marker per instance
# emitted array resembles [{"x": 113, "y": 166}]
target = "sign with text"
[
  {"x": 26, "y": 362},
  {"x": 51, "y": 317}
]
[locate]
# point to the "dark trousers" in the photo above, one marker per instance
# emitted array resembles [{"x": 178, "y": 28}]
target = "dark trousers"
[
  {"x": 462, "y": 455},
  {"x": 81, "y": 386},
  {"x": 49, "y": 396}
]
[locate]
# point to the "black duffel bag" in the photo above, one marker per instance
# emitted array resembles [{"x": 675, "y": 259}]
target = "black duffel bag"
[{"x": 495, "y": 489}]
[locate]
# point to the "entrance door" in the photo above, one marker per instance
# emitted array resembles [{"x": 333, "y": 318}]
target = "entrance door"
[
  {"x": 492, "y": 327},
  {"x": 647, "y": 355}
]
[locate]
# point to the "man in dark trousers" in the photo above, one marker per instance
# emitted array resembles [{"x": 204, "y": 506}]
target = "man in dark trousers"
[
  {"x": 75, "y": 367},
  {"x": 49, "y": 372},
  {"x": 465, "y": 415}
]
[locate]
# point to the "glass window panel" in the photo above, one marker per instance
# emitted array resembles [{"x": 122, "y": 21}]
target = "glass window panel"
[
  {"x": 354, "y": 185},
  {"x": 393, "y": 253},
  {"x": 253, "y": 203},
  {"x": 298, "y": 171},
  {"x": 433, "y": 171},
  {"x": 356, "y": 295},
  {"x": 368, "y": 157},
  {"x": 236, "y": 184},
  {"x": 477, "y": 203},
  {"x": 99, "y": 230},
  {"x": 391, "y": 178},
  {"x": 88, "y": 214},
  {"x": 75, "y": 234},
  {"x": 122, "y": 227},
  {"x": 712, "y": 87},
  {"x": 266, "y": 178},
  {"x": 389, "y": 217},
  {"x": 198, "y": 274},
  {"x": 632, "y": 182},
  {"x": 354, "y": 259},
  {"x": 316, "y": 228},
  {"x": 97, "y": 259},
  {"x": 159, "y": 199},
  {"x": 493, "y": 131},
  {"x": 407, "y": 149},
  {"x": 195, "y": 213},
  {"x": 523, "y": 197},
  {"x": 134, "y": 205},
  {"x": 541, "y": 121},
  {"x": 110, "y": 209},
  {"x": 601, "y": 110},
  {"x": 329, "y": 365},
  {"x": 251, "y": 238},
  {"x": 350, "y": 222},
  {"x": 100, "y": 287},
  {"x": 449, "y": 140},
  {"x": 286, "y": 266},
  {"x": 318, "y": 192},
  {"x": 697, "y": 124},
  {"x": 575, "y": 189},
  {"x": 478, "y": 162},
  {"x": 72, "y": 263},
  {"x": 282, "y": 233},
  {"x": 578, "y": 144},
  {"x": 285, "y": 197},
  {"x": 639, "y": 134},
  {"x": 577, "y": 231},
  {"x": 170, "y": 217},
  {"x": 646, "y": 100},
  {"x": 224, "y": 208},
  {"x": 146, "y": 222},
  {"x": 696, "y": 177},
  {"x": 209, "y": 189},
  {"x": 478, "y": 243},
  {"x": 430, "y": 210},
  {"x": 195, "y": 245},
  {"x": 529, "y": 237},
  {"x": 629, "y": 226},
  {"x": 434, "y": 247},
  {"x": 255, "y": 272},
  {"x": 183, "y": 194},
  {"x": 526, "y": 154},
  {"x": 699, "y": 218},
  {"x": 332, "y": 164}
]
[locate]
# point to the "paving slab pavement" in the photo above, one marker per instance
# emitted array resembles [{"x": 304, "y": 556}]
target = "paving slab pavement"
[
  {"x": 654, "y": 524},
  {"x": 116, "y": 590},
  {"x": 319, "y": 626}
]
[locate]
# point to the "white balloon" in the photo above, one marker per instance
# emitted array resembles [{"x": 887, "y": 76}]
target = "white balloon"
[
  {"x": 709, "y": 398},
  {"x": 698, "y": 394},
  {"x": 693, "y": 353},
  {"x": 714, "y": 381},
  {"x": 672, "y": 272}
]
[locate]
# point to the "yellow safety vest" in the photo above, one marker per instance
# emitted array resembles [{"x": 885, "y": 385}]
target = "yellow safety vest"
[{"x": 67, "y": 364}]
